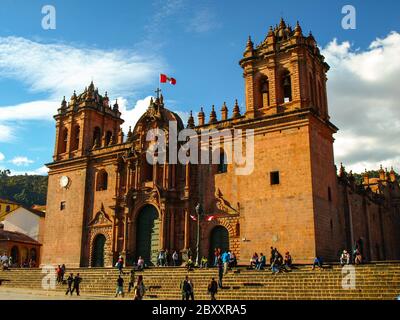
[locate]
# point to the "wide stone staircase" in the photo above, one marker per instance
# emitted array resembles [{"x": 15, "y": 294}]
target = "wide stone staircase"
[{"x": 372, "y": 281}]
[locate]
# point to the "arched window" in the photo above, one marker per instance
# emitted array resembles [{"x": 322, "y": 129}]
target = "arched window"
[
  {"x": 287, "y": 87},
  {"x": 108, "y": 138},
  {"x": 75, "y": 142},
  {"x": 102, "y": 180},
  {"x": 265, "y": 92},
  {"x": 64, "y": 141},
  {"x": 96, "y": 137}
]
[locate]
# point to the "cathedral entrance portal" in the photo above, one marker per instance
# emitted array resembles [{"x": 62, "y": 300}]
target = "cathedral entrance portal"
[
  {"x": 98, "y": 251},
  {"x": 219, "y": 238},
  {"x": 148, "y": 234}
]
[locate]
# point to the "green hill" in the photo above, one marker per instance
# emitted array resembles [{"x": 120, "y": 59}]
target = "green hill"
[{"x": 24, "y": 189}]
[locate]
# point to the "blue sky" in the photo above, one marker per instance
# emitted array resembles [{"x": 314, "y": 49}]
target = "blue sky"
[{"x": 124, "y": 45}]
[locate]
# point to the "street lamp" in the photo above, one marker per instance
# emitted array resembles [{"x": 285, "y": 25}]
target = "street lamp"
[{"x": 199, "y": 212}]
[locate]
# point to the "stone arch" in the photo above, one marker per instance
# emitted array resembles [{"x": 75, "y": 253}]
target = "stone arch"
[
  {"x": 108, "y": 255},
  {"x": 147, "y": 222},
  {"x": 98, "y": 250}
]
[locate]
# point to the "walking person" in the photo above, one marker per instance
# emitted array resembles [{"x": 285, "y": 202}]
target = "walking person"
[
  {"x": 139, "y": 289},
  {"x": 213, "y": 288},
  {"x": 191, "y": 289},
  {"x": 77, "y": 282},
  {"x": 131, "y": 280},
  {"x": 185, "y": 288},
  {"x": 70, "y": 281},
  {"x": 120, "y": 287}
]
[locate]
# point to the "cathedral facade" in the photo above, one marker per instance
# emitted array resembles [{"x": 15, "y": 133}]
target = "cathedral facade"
[{"x": 105, "y": 199}]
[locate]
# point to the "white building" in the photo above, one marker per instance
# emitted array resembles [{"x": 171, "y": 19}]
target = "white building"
[{"x": 26, "y": 221}]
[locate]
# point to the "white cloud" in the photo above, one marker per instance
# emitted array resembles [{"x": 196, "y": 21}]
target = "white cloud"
[
  {"x": 34, "y": 110},
  {"x": 132, "y": 115},
  {"x": 42, "y": 171},
  {"x": 204, "y": 20},
  {"x": 2, "y": 156},
  {"x": 21, "y": 161},
  {"x": 6, "y": 133},
  {"x": 364, "y": 104},
  {"x": 60, "y": 68}
]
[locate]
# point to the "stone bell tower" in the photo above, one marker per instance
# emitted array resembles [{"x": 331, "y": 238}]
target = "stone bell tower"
[
  {"x": 87, "y": 122},
  {"x": 284, "y": 73},
  {"x": 286, "y": 105}
]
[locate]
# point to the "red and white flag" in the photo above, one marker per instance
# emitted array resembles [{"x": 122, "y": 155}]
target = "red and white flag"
[
  {"x": 210, "y": 218},
  {"x": 164, "y": 78},
  {"x": 193, "y": 218}
]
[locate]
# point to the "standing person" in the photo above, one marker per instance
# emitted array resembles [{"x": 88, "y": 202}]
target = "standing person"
[
  {"x": 271, "y": 259},
  {"x": 70, "y": 281},
  {"x": 120, "y": 265},
  {"x": 77, "y": 281},
  {"x": 216, "y": 257},
  {"x": 191, "y": 289},
  {"x": 185, "y": 288},
  {"x": 131, "y": 280},
  {"x": 220, "y": 272},
  {"x": 58, "y": 272},
  {"x": 139, "y": 289},
  {"x": 225, "y": 261},
  {"x": 213, "y": 288},
  {"x": 120, "y": 287},
  {"x": 63, "y": 269},
  {"x": 175, "y": 258}
]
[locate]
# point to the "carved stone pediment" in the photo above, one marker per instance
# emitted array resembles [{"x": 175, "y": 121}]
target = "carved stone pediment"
[
  {"x": 223, "y": 205},
  {"x": 100, "y": 219}
]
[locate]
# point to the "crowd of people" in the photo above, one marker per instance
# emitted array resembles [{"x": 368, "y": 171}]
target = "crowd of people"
[
  {"x": 277, "y": 262},
  {"x": 7, "y": 262}
]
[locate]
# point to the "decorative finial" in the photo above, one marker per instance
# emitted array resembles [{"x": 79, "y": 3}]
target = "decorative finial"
[
  {"x": 213, "y": 115},
  {"x": 297, "y": 31},
  {"x": 190, "y": 123},
  {"x": 236, "y": 110},
  {"x": 249, "y": 45}
]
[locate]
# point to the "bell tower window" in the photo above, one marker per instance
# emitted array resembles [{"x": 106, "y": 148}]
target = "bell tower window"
[
  {"x": 287, "y": 87},
  {"x": 265, "y": 92},
  {"x": 64, "y": 141},
  {"x": 96, "y": 137}
]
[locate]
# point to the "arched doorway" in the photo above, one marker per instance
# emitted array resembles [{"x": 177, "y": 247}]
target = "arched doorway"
[
  {"x": 148, "y": 234},
  {"x": 98, "y": 251},
  {"x": 15, "y": 255},
  {"x": 219, "y": 238}
]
